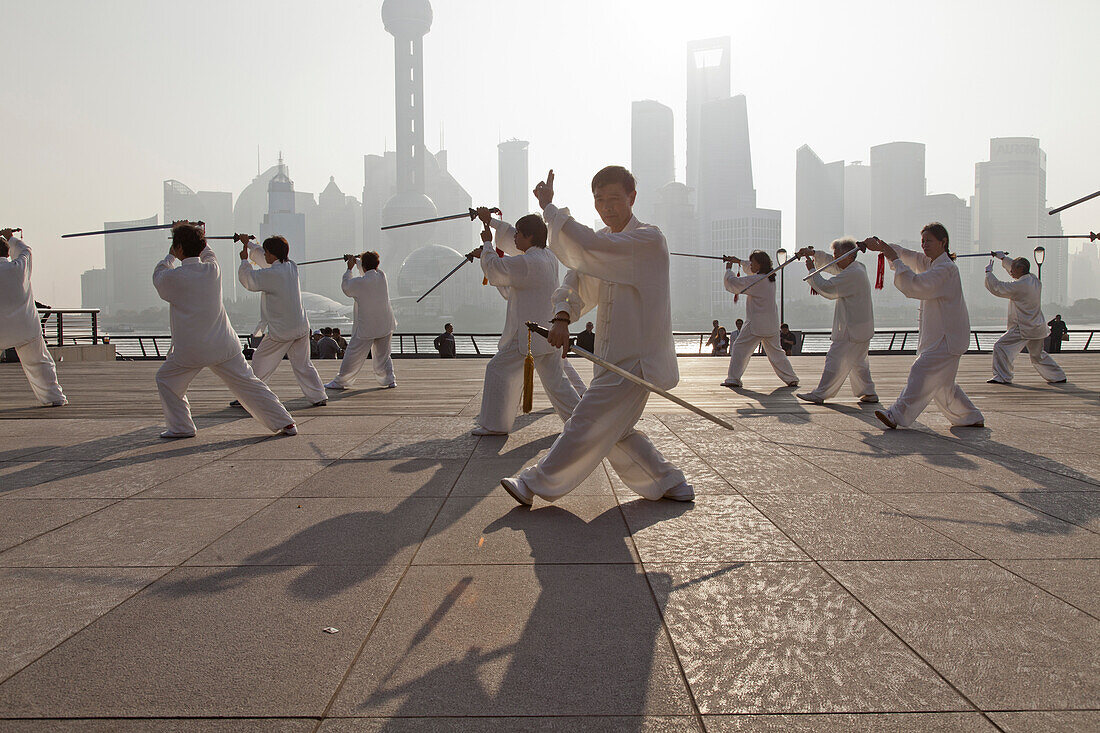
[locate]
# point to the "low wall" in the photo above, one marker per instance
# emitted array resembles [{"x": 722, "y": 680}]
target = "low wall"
[{"x": 83, "y": 352}]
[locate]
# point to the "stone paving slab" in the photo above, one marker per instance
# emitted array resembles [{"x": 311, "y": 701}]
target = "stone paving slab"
[{"x": 829, "y": 576}]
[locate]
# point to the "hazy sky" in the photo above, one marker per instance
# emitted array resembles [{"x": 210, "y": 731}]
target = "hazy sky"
[{"x": 104, "y": 100}]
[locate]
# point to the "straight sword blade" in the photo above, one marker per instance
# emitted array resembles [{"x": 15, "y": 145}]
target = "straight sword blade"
[
  {"x": 471, "y": 214},
  {"x": 121, "y": 231},
  {"x": 457, "y": 268},
  {"x": 536, "y": 328}
]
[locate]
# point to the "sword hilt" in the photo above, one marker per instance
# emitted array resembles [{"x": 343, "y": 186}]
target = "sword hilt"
[{"x": 545, "y": 332}]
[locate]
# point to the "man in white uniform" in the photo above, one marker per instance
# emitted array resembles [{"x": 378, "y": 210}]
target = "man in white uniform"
[
  {"x": 527, "y": 279},
  {"x": 19, "y": 325},
  {"x": 622, "y": 269},
  {"x": 1026, "y": 324},
  {"x": 374, "y": 323},
  {"x": 189, "y": 279},
  {"x": 282, "y": 316},
  {"x": 853, "y": 323},
  {"x": 932, "y": 278}
]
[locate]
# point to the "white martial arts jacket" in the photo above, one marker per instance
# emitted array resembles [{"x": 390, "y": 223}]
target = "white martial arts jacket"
[
  {"x": 19, "y": 322},
  {"x": 938, "y": 287},
  {"x": 528, "y": 280},
  {"x": 854, "y": 315},
  {"x": 761, "y": 313},
  {"x": 1024, "y": 298},
  {"x": 201, "y": 331},
  {"x": 282, "y": 315},
  {"x": 373, "y": 313},
  {"x": 625, "y": 274}
]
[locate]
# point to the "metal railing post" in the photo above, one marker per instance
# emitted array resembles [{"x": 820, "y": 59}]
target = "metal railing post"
[{"x": 60, "y": 328}]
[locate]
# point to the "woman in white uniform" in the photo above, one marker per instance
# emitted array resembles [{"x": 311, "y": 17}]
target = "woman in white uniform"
[
  {"x": 1026, "y": 324},
  {"x": 761, "y": 319},
  {"x": 527, "y": 279},
  {"x": 932, "y": 278},
  {"x": 19, "y": 325},
  {"x": 374, "y": 323},
  {"x": 282, "y": 317}
]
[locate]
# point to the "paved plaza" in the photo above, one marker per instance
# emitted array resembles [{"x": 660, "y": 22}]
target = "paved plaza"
[{"x": 829, "y": 576}]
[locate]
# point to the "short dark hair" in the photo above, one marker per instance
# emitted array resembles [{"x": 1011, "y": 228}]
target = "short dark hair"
[
  {"x": 534, "y": 227},
  {"x": 614, "y": 174},
  {"x": 3, "y": 248},
  {"x": 326, "y": 331},
  {"x": 190, "y": 239},
  {"x": 278, "y": 247},
  {"x": 335, "y": 332},
  {"x": 1024, "y": 263},
  {"x": 369, "y": 260},
  {"x": 763, "y": 260},
  {"x": 446, "y": 326}
]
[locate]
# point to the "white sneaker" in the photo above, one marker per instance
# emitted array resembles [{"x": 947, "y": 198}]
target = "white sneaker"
[
  {"x": 334, "y": 385},
  {"x": 485, "y": 431},
  {"x": 519, "y": 492},
  {"x": 291, "y": 429},
  {"x": 810, "y": 397},
  {"x": 169, "y": 435},
  {"x": 680, "y": 492}
]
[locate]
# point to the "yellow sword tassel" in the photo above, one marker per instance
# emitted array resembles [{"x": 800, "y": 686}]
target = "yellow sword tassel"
[{"x": 528, "y": 378}]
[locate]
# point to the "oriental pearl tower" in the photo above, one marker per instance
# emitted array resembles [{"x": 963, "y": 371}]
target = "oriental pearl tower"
[{"x": 408, "y": 21}]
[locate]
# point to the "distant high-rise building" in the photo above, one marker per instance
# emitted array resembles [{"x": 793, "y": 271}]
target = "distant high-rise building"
[
  {"x": 1010, "y": 191},
  {"x": 819, "y": 200},
  {"x": 251, "y": 204},
  {"x": 1084, "y": 278},
  {"x": 725, "y": 170},
  {"x": 333, "y": 228},
  {"x": 652, "y": 160},
  {"x": 215, "y": 208},
  {"x": 690, "y": 278},
  {"x": 513, "y": 180},
  {"x": 898, "y": 187},
  {"x": 857, "y": 200},
  {"x": 130, "y": 258},
  {"x": 283, "y": 218},
  {"x": 954, "y": 213},
  {"x": 739, "y": 234},
  {"x": 93, "y": 288},
  {"x": 708, "y": 80}
]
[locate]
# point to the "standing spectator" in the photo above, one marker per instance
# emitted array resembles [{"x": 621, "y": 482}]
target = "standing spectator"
[
  {"x": 445, "y": 342},
  {"x": 340, "y": 339},
  {"x": 1058, "y": 333},
  {"x": 586, "y": 339},
  {"x": 314, "y": 353},
  {"x": 787, "y": 339},
  {"x": 721, "y": 343},
  {"x": 327, "y": 347},
  {"x": 736, "y": 329}
]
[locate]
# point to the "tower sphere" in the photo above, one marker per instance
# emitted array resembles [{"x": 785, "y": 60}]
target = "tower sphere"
[{"x": 405, "y": 18}]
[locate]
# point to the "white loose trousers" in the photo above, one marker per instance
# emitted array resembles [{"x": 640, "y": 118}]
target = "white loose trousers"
[
  {"x": 845, "y": 360},
  {"x": 503, "y": 390},
  {"x": 932, "y": 378},
  {"x": 266, "y": 358},
  {"x": 744, "y": 346},
  {"x": 356, "y": 355},
  {"x": 602, "y": 425},
  {"x": 41, "y": 371},
  {"x": 1008, "y": 347},
  {"x": 255, "y": 396}
]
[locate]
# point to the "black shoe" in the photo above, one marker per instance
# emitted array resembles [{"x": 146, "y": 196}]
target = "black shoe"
[
  {"x": 1060, "y": 381},
  {"x": 235, "y": 403},
  {"x": 322, "y": 403},
  {"x": 996, "y": 381}
]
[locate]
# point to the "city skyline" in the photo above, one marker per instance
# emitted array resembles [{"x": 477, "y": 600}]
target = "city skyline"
[{"x": 80, "y": 160}]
